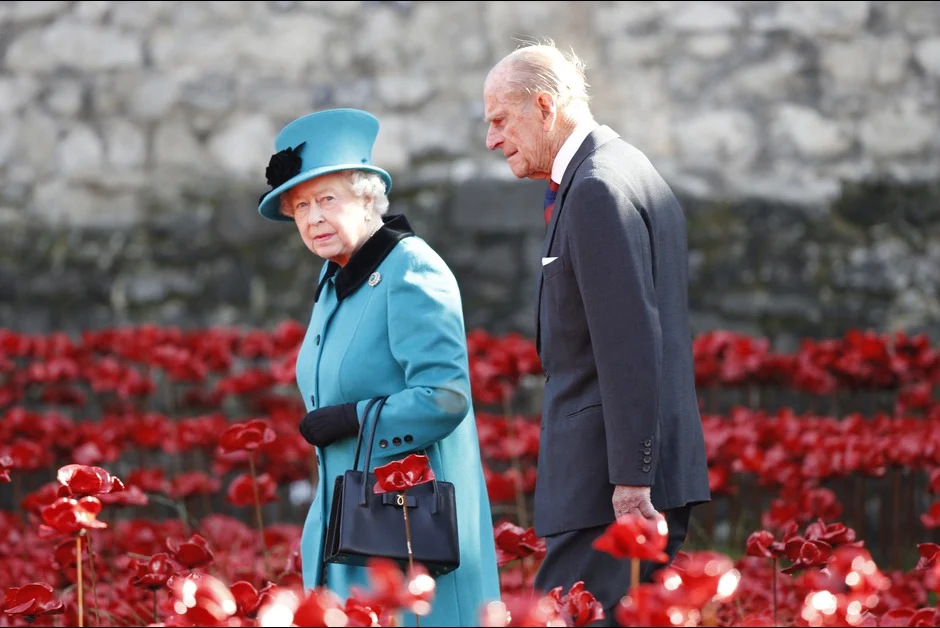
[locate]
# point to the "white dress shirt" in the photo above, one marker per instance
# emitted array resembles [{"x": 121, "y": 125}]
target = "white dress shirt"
[{"x": 569, "y": 148}]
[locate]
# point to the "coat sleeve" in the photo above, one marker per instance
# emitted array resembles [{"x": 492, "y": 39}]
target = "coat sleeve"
[
  {"x": 612, "y": 259},
  {"x": 427, "y": 338}
]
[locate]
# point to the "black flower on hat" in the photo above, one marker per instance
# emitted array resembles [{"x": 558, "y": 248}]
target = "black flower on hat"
[{"x": 284, "y": 166}]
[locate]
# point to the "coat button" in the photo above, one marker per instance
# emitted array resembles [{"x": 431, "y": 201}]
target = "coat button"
[
  {"x": 409, "y": 438},
  {"x": 647, "y": 452},
  {"x": 317, "y": 339},
  {"x": 396, "y": 441},
  {"x": 383, "y": 443},
  {"x": 646, "y": 468},
  {"x": 648, "y": 443},
  {"x": 647, "y": 459},
  {"x": 313, "y": 401}
]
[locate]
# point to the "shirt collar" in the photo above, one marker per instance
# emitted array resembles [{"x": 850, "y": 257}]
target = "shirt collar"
[
  {"x": 569, "y": 148},
  {"x": 369, "y": 256}
]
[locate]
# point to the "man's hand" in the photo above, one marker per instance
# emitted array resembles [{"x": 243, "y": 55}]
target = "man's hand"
[{"x": 634, "y": 500}]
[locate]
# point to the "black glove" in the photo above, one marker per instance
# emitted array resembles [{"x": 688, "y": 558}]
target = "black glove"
[{"x": 327, "y": 425}]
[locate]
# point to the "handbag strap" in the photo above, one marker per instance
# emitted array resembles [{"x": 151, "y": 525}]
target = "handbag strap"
[
  {"x": 379, "y": 403},
  {"x": 362, "y": 429}
]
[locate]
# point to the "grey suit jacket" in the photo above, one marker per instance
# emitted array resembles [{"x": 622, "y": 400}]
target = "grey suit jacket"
[{"x": 615, "y": 343}]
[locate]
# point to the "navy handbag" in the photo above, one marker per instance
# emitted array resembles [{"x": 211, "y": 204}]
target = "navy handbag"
[{"x": 364, "y": 525}]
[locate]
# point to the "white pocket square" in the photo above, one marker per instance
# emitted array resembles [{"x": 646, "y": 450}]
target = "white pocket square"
[{"x": 548, "y": 260}]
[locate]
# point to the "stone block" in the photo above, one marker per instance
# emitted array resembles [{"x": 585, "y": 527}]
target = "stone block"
[{"x": 498, "y": 207}]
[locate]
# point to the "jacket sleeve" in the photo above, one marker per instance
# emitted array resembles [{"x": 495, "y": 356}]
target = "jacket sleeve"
[
  {"x": 612, "y": 259},
  {"x": 427, "y": 337}
]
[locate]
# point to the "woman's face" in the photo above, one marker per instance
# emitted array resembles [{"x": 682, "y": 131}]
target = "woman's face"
[{"x": 332, "y": 220}]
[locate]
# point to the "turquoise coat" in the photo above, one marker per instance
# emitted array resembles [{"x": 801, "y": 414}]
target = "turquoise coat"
[{"x": 391, "y": 323}]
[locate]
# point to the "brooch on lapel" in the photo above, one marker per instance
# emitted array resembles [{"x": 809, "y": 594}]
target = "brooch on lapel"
[{"x": 374, "y": 279}]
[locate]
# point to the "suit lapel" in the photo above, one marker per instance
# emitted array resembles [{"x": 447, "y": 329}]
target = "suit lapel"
[{"x": 596, "y": 138}]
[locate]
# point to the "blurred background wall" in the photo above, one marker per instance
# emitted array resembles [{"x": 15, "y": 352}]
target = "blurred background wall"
[{"x": 802, "y": 137}]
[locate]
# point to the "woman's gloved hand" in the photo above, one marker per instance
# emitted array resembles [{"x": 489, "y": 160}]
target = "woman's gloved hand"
[{"x": 324, "y": 426}]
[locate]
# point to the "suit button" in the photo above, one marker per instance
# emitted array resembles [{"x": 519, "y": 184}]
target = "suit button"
[
  {"x": 409, "y": 438},
  {"x": 383, "y": 443},
  {"x": 648, "y": 443},
  {"x": 647, "y": 452},
  {"x": 317, "y": 339},
  {"x": 396, "y": 441},
  {"x": 647, "y": 459},
  {"x": 646, "y": 468}
]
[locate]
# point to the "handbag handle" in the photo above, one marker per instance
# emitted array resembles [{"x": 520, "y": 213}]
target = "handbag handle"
[
  {"x": 362, "y": 428},
  {"x": 379, "y": 403}
]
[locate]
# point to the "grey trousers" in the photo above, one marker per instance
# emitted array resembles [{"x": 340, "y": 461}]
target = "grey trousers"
[{"x": 570, "y": 557}]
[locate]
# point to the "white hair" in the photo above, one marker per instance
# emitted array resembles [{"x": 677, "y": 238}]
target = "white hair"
[
  {"x": 363, "y": 183},
  {"x": 541, "y": 67}
]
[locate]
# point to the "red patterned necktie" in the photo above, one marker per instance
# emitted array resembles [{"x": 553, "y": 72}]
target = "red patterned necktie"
[{"x": 550, "y": 200}]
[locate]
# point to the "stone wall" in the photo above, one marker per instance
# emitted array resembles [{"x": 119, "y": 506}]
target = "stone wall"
[{"x": 802, "y": 137}]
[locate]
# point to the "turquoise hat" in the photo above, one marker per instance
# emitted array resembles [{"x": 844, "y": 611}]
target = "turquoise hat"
[{"x": 317, "y": 144}]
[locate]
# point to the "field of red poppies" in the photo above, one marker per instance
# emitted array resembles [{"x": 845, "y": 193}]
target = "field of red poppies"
[{"x": 155, "y": 476}]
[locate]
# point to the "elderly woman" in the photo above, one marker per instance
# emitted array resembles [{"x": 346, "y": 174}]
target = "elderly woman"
[{"x": 387, "y": 320}]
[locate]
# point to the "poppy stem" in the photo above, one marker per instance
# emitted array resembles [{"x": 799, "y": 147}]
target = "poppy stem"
[
  {"x": 94, "y": 584},
  {"x": 156, "y": 619},
  {"x": 411, "y": 560},
  {"x": 522, "y": 513},
  {"x": 634, "y": 572},
  {"x": 775, "y": 591},
  {"x": 78, "y": 563},
  {"x": 254, "y": 486}
]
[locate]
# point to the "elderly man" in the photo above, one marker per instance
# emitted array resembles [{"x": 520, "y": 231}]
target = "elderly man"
[{"x": 621, "y": 431}]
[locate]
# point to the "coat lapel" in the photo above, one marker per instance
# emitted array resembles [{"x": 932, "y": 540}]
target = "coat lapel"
[{"x": 598, "y": 137}]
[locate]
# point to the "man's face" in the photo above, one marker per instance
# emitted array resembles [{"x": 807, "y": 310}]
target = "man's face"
[{"x": 519, "y": 128}]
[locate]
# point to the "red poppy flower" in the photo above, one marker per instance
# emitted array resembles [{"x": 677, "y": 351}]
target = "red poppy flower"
[
  {"x": 128, "y": 497},
  {"x": 203, "y": 599},
  {"x": 513, "y": 542},
  {"x": 762, "y": 544},
  {"x": 191, "y": 483},
  {"x": 31, "y": 601},
  {"x": 67, "y": 515},
  {"x": 400, "y": 475},
  {"x": 522, "y": 609},
  {"x": 391, "y": 588},
  {"x": 633, "y": 536},
  {"x": 931, "y": 518},
  {"x": 82, "y": 481},
  {"x": 241, "y": 491},
  {"x": 152, "y": 573},
  {"x": 701, "y": 577},
  {"x": 805, "y": 554},
  {"x": 578, "y": 607},
  {"x": 833, "y": 533},
  {"x": 247, "y": 436},
  {"x": 190, "y": 554},
  {"x": 248, "y": 599},
  {"x": 318, "y": 607},
  {"x": 652, "y": 604},
  {"x": 6, "y": 463}
]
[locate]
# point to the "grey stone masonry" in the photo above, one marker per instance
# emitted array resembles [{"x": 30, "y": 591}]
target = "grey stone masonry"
[{"x": 802, "y": 137}]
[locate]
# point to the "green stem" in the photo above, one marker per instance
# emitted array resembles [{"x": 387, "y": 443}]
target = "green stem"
[{"x": 254, "y": 486}]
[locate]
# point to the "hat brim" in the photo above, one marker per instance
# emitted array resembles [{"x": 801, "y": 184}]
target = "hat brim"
[{"x": 270, "y": 205}]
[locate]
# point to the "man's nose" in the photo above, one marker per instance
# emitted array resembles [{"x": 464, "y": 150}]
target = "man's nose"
[{"x": 493, "y": 139}]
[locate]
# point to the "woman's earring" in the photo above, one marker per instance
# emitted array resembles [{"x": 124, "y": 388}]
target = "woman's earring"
[{"x": 368, "y": 217}]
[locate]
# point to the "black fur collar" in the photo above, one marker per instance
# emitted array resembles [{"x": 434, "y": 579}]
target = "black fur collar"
[{"x": 363, "y": 263}]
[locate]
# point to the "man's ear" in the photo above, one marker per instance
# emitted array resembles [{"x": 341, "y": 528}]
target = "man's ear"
[{"x": 547, "y": 109}]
